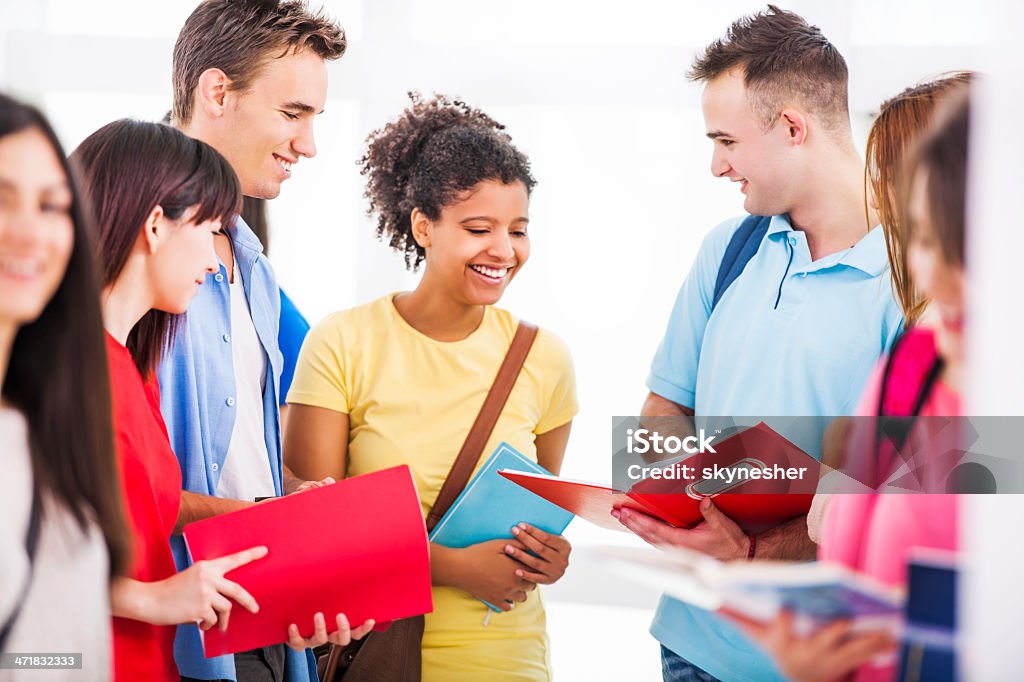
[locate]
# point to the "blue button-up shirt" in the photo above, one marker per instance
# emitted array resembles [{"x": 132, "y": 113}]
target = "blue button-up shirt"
[
  {"x": 790, "y": 337},
  {"x": 197, "y": 399}
]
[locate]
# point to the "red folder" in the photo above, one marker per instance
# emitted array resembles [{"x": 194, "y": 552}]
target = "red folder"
[
  {"x": 357, "y": 547},
  {"x": 755, "y": 505}
]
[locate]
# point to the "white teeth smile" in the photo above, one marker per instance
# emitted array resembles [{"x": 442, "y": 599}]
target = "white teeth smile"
[
  {"x": 490, "y": 272},
  {"x": 287, "y": 165},
  {"x": 21, "y": 267}
]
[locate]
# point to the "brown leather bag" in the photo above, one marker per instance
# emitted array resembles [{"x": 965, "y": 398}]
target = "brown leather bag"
[{"x": 394, "y": 655}]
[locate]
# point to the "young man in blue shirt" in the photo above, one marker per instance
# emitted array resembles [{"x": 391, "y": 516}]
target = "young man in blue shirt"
[
  {"x": 249, "y": 77},
  {"x": 798, "y": 332}
]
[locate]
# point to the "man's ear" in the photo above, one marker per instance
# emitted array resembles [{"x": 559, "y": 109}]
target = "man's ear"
[
  {"x": 211, "y": 92},
  {"x": 796, "y": 126},
  {"x": 153, "y": 229},
  {"x": 421, "y": 225}
]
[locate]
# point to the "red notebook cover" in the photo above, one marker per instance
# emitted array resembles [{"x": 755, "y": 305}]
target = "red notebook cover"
[
  {"x": 755, "y": 505},
  {"x": 357, "y": 547}
]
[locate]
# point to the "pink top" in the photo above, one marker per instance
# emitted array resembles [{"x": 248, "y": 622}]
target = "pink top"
[{"x": 873, "y": 533}]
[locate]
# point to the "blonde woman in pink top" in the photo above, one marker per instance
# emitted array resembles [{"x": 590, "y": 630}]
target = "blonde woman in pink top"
[{"x": 922, "y": 377}]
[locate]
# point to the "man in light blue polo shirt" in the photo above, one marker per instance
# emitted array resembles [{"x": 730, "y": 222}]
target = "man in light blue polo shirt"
[{"x": 799, "y": 330}]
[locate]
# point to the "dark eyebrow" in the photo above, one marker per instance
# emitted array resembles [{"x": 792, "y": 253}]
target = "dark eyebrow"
[
  {"x": 715, "y": 134},
  {"x": 59, "y": 187},
  {"x": 301, "y": 106},
  {"x": 488, "y": 219}
]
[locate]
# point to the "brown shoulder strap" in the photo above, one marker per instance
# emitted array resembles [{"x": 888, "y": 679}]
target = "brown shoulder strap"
[{"x": 481, "y": 430}]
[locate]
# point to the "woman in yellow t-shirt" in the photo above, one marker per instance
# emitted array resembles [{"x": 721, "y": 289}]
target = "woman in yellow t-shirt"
[{"x": 400, "y": 380}]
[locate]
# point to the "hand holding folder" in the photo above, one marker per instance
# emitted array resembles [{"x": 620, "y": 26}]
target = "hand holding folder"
[{"x": 359, "y": 548}]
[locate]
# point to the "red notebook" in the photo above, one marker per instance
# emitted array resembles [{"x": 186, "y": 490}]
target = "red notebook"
[
  {"x": 755, "y": 504},
  {"x": 357, "y": 547}
]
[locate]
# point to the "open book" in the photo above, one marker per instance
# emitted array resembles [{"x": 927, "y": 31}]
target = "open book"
[{"x": 815, "y": 592}]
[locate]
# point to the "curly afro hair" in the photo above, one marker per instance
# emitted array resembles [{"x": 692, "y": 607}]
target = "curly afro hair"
[{"x": 435, "y": 151}]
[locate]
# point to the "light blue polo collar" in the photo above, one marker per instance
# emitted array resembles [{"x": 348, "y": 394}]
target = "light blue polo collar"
[{"x": 868, "y": 255}]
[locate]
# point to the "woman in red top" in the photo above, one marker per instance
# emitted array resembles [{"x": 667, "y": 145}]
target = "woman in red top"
[
  {"x": 178, "y": 192},
  {"x": 158, "y": 197}
]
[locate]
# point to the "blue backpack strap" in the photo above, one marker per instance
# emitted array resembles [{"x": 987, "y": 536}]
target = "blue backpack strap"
[{"x": 742, "y": 246}]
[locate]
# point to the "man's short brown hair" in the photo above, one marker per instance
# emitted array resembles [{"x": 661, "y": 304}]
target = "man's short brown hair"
[
  {"x": 785, "y": 61},
  {"x": 240, "y": 36}
]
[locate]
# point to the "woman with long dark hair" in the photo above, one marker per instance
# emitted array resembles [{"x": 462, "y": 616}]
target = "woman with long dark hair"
[
  {"x": 63, "y": 534},
  {"x": 157, "y": 198}
]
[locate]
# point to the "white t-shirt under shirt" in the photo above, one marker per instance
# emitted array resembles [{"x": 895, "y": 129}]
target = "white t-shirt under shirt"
[
  {"x": 246, "y": 473},
  {"x": 67, "y": 608}
]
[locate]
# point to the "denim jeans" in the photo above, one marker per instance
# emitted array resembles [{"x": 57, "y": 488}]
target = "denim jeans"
[
  {"x": 675, "y": 668},
  {"x": 258, "y": 665}
]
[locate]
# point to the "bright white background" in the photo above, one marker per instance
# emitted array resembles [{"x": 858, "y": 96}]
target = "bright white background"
[{"x": 594, "y": 92}]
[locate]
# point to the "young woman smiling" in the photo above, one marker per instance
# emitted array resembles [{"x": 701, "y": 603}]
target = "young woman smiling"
[
  {"x": 62, "y": 534},
  {"x": 400, "y": 380},
  {"x": 159, "y": 197}
]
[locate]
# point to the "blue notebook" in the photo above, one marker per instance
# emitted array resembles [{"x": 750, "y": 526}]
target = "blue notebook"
[
  {"x": 930, "y": 638},
  {"x": 490, "y": 505}
]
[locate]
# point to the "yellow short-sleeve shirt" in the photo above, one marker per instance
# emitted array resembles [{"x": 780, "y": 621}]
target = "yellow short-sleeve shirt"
[{"x": 411, "y": 400}]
